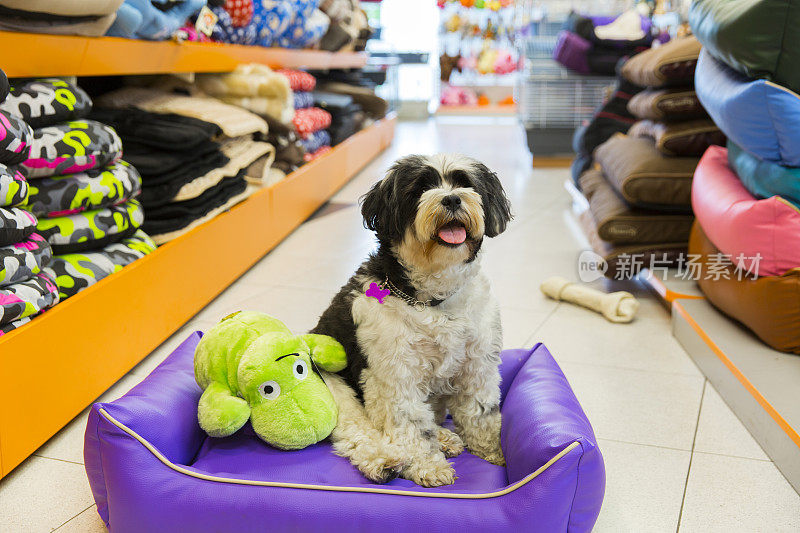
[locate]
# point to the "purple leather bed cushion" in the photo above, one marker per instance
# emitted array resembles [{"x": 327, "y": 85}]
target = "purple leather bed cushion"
[{"x": 151, "y": 467}]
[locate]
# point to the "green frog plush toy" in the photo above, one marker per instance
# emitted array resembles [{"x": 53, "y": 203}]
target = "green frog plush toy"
[{"x": 251, "y": 367}]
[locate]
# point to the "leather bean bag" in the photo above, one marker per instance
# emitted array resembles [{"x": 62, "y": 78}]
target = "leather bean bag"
[
  {"x": 151, "y": 467},
  {"x": 72, "y": 147},
  {"x": 764, "y": 179},
  {"x": 84, "y": 191},
  {"x": 27, "y": 298},
  {"x": 644, "y": 176},
  {"x": 680, "y": 138},
  {"x": 769, "y": 306},
  {"x": 22, "y": 260},
  {"x": 77, "y": 271},
  {"x": 617, "y": 223},
  {"x": 13, "y": 187},
  {"x": 671, "y": 64},
  {"x": 759, "y": 38},
  {"x": 758, "y": 115},
  {"x": 741, "y": 225},
  {"x": 16, "y": 138},
  {"x": 91, "y": 230},
  {"x": 16, "y": 225},
  {"x": 45, "y": 102},
  {"x": 666, "y": 105},
  {"x": 624, "y": 261}
]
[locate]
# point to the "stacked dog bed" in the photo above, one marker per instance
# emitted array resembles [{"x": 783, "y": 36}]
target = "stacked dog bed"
[
  {"x": 310, "y": 122},
  {"x": 746, "y": 200},
  {"x": 25, "y": 289},
  {"x": 639, "y": 191},
  {"x": 194, "y": 153},
  {"x": 594, "y": 45},
  {"x": 81, "y": 192}
]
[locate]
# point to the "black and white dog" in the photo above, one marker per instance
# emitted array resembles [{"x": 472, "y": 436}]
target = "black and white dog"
[{"x": 420, "y": 325}]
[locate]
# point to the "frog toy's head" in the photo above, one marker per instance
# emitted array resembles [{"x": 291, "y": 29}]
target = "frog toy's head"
[{"x": 253, "y": 368}]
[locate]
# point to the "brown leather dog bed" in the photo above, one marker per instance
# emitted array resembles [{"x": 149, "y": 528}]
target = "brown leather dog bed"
[
  {"x": 666, "y": 105},
  {"x": 671, "y": 64},
  {"x": 644, "y": 176},
  {"x": 618, "y": 223},
  {"x": 627, "y": 260},
  {"x": 769, "y": 305},
  {"x": 690, "y": 139}
]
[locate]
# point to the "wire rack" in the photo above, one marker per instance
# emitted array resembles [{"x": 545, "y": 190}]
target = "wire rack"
[{"x": 552, "y": 100}]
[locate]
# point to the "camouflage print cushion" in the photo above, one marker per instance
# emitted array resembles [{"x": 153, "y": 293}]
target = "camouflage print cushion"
[
  {"x": 27, "y": 298},
  {"x": 75, "y": 272},
  {"x": 91, "y": 230},
  {"x": 16, "y": 139},
  {"x": 74, "y": 193},
  {"x": 15, "y": 225},
  {"x": 46, "y": 102},
  {"x": 72, "y": 147},
  {"x": 22, "y": 260},
  {"x": 11, "y": 326},
  {"x": 13, "y": 187}
]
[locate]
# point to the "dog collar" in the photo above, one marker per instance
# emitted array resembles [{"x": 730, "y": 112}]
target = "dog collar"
[{"x": 419, "y": 305}]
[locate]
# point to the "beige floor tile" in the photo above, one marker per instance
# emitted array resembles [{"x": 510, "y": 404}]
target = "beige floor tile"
[
  {"x": 158, "y": 355},
  {"x": 520, "y": 324},
  {"x": 41, "y": 494},
  {"x": 578, "y": 335},
  {"x": 635, "y": 406},
  {"x": 298, "y": 308},
  {"x": 727, "y": 494},
  {"x": 86, "y": 522},
  {"x": 644, "y": 486},
  {"x": 719, "y": 431}
]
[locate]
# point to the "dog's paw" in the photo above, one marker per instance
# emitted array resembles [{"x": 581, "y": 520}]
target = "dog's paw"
[
  {"x": 450, "y": 443},
  {"x": 381, "y": 469},
  {"x": 495, "y": 456},
  {"x": 430, "y": 472}
]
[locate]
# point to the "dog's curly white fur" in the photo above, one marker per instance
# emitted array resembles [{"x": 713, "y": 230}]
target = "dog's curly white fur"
[{"x": 410, "y": 365}]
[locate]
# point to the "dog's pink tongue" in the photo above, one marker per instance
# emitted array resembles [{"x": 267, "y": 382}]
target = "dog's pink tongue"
[{"x": 453, "y": 234}]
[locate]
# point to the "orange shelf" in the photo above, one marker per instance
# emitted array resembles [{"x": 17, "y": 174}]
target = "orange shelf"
[
  {"x": 63, "y": 360},
  {"x": 66, "y": 55},
  {"x": 492, "y": 109}
]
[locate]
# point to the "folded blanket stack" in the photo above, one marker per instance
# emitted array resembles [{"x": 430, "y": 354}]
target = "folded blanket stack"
[
  {"x": 747, "y": 198},
  {"x": 25, "y": 289},
  {"x": 309, "y": 122},
  {"x": 82, "y": 194},
  {"x": 193, "y": 153},
  {"x": 594, "y": 45},
  {"x": 288, "y": 24},
  {"x": 639, "y": 190}
]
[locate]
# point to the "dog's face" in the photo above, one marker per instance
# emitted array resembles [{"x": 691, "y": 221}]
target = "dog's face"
[{"x": 434, "y": 211}]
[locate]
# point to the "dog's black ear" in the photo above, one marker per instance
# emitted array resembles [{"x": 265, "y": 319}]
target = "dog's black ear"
[
  {"x": 374, "y": 206},
  {"x": 496, "y": 207}
]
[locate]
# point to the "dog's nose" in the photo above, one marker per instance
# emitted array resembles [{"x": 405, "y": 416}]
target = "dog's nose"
[{"x": 451, "y": 202}]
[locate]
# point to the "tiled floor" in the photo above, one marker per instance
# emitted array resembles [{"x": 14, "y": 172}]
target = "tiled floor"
[{"x": 676, "y": 456}]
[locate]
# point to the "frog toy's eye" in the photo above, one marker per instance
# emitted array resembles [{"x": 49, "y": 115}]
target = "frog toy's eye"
[
  {"x": 269, "y": 390},
  {"x": 300, "y": 369}
]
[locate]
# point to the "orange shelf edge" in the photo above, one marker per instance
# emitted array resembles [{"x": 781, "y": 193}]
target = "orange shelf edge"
[
  {"x": 69, "y": 55},
  {"x": 81, "y": 347}
]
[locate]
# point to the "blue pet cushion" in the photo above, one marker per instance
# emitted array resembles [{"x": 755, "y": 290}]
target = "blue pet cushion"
[
  {"x": 758, "y": 115},
  {"x": 764, "y": 179}
]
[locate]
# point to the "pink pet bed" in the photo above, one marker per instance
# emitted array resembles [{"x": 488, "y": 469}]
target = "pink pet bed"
[{"x": 740, "y": 225}]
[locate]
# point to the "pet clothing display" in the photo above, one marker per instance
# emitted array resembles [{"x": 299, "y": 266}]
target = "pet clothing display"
[{"x": 619, "y": 307}]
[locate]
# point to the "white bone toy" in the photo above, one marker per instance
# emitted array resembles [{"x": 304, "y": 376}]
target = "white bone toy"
[{"x": 616, "y": 306}]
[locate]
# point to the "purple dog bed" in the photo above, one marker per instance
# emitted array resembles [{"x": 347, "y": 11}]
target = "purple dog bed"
[{"x": 151, "y": 467}]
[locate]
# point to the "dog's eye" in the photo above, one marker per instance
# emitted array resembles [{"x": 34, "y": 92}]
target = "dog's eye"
[
  {"x": 300, "y": 369},
  {"x": 269, "y": 390}
]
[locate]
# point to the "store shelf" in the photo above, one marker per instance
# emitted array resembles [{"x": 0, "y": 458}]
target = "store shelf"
[
  {"x": 672, "y": 287},
  {"x": 758, "y": 383},
  {"x": 66, "y": 55},
  {"x": 489, "y": 110},
  {"x": 66, "y": 358}
]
